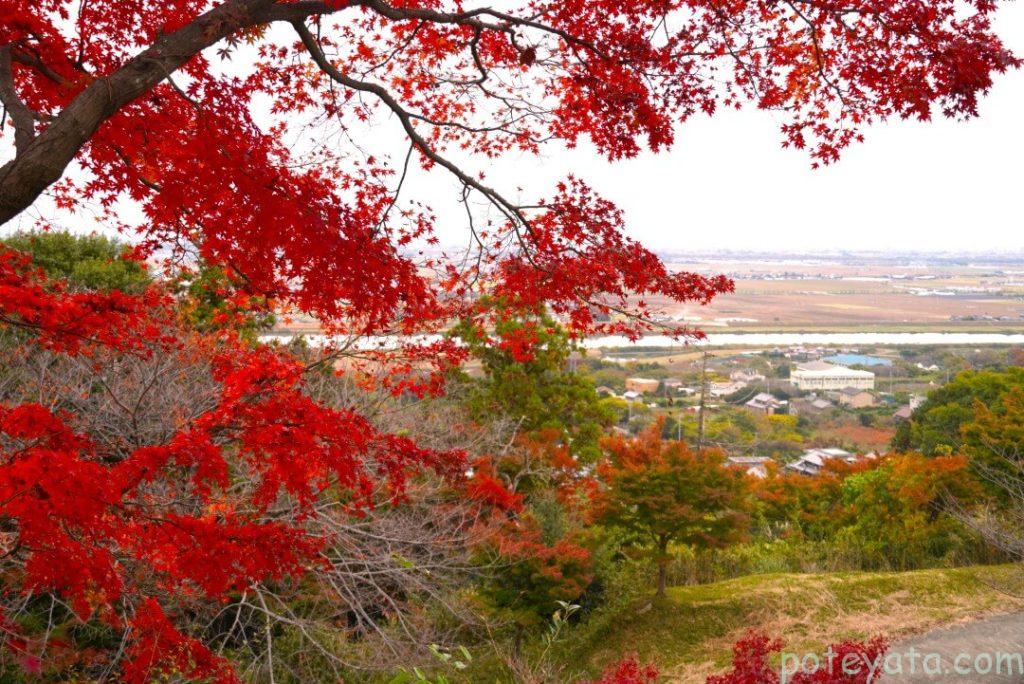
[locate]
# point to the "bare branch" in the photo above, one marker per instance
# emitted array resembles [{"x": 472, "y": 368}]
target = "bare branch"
[{"x": 511, "y": 211}]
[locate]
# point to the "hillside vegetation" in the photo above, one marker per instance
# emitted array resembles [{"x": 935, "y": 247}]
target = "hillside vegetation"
[{"x": 689, "y": 634}]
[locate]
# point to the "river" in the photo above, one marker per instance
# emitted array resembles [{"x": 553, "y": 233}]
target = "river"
[
  {"x": 741, "y": 340},
  {"x": 817, "y": 340}
]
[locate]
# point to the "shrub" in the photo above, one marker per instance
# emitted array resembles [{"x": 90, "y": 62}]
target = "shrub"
[
  {"x": 627, "y": 671},
  {"x": 530, "y": 577},
  {"x": 883, "y": 514},
  {"x": 849, "y": 662}
]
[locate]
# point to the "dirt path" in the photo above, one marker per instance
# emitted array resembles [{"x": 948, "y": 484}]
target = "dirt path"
[{"x": 986, "y": 651}]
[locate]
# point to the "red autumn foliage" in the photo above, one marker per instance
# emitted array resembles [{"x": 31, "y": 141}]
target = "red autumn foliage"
[
  {"x": 628, "y": 671},
  {"x": 158, "y": 649},
  {"x": 66, "y": 321},
  {"x": 142, "y": 97},
  {"x": 486, "y": 487},
  {"x": 103, "y": 535},
  {"x": 848, "y": 662},
  {"x": 534, "y": 575}
]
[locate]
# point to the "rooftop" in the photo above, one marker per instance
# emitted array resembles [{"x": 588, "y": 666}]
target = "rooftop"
[
  {"x": 905, "y": 413},
  {"x": 816, "y": 366},
  {"x": 747, "y": 460},
  {"x": 821, "y": 368},
  {"x": 833, "y": 453}
]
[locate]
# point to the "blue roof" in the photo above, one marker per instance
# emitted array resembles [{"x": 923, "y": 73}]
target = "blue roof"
[{"x": 857, "y": 360}]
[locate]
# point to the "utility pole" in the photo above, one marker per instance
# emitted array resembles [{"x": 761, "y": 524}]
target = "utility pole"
[{"x": 703, "y": 401}]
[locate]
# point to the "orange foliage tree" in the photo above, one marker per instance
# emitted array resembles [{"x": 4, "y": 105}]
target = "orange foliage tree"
[
  {"x": 890, "y": 512},
  {"x": 666, "y": 493}
]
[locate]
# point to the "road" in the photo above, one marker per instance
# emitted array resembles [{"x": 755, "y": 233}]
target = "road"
[{"x": 987, "y": 651}]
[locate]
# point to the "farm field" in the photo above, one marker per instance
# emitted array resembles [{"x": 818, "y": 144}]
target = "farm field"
[
  {"x": 837, "y": 297},
  {"x": 783, "y": 296}
]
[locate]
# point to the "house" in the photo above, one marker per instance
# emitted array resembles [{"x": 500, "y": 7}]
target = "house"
[
  {"x": 604, "y": 391},
  {"x": 724, "y": 389},
  {"x": 854, "y": 398},
  {"x": 755, "y": 466},
  {"x": 671, "y": 384},
  {"x": 642, "y": 385},
  {"x": 748, "y": 377},
  {"x": 813, "y": 460},
  {"x": 833, "y": 452},
  {"x": 809, "y": 406},
  {"x": 803, "y": 353},
  {"x": 904, "y": 413},
  {"x": 631, "y": 395},
  {"x": 821, "y": 376},
  {"x": 766, "y": 404}
]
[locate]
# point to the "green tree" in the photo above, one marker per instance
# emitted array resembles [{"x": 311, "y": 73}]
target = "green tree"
[
  {"x": 666, "y": 494},
  {"x": 994, "y": 442},
  {"x": 895, "y": 513},
  {"x": 540, "y": 391},
  {"x": 86, "y": 262},
  {"x": 208, "y": 297},
  {"x": 996, "y": 431},
  {"x": 211, "y": 300},
  {"x": 936, "y": 426}
]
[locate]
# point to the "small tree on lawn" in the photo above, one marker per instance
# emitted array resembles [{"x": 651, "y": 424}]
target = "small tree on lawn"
[{"x": 664, "y": 492}]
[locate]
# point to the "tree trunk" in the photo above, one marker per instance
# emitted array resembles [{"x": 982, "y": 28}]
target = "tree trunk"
[
  {"x": 662, "y": 567},
  {"x": 42, "y": 159}
]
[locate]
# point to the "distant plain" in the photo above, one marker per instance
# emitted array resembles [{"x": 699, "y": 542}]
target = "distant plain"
[{"x": 863, "y": 297}]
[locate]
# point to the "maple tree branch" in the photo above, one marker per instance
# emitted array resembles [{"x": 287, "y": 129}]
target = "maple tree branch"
[
  {"x": 819, "y": 59},
  {"x": 41, "y": 162},
  {"x": 510, "y": 210},
  {"x": 57, "y": 331},
  {"x": 35, "y": 62},
  {"x": 21, "y": 115},
  {"x": 475, "y": 18},
  {"x": 41, "y": 159}
]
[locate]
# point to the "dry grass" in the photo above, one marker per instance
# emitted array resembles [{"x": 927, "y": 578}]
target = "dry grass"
[{"x": 690, "y": 634}]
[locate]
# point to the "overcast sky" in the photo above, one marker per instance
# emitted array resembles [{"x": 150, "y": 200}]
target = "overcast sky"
[{"x": 728, "y": 184}]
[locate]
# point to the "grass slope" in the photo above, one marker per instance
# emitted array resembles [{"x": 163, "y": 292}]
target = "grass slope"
[{"x": 689, "y": 635}]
